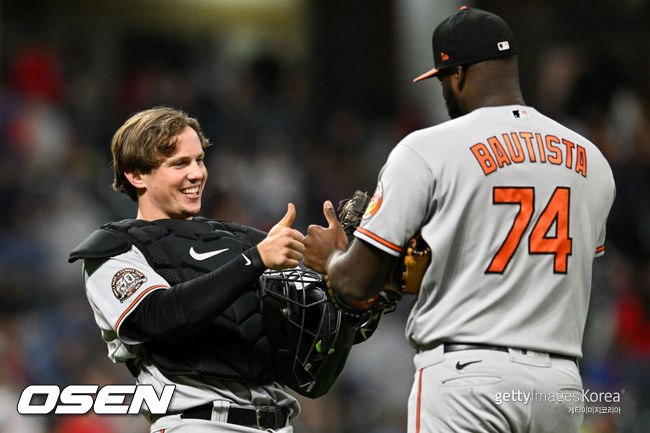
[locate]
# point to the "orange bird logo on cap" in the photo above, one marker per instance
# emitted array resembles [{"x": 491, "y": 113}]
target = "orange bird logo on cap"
[{"x": 444, "y": 56}]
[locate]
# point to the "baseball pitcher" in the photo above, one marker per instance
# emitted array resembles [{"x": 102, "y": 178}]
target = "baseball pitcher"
[{"x": 513, "y": 207}]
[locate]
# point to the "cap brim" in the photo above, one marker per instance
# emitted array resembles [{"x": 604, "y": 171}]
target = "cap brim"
[{"x": 427, "y": 74}]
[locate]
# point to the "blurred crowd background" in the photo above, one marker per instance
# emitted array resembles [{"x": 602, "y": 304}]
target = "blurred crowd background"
[{"x": 303, "y": 100}]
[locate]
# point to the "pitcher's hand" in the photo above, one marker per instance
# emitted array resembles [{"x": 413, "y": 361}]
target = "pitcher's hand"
[{"x": 321, "y": 242}]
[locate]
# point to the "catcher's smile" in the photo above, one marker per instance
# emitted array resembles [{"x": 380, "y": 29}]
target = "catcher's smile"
[{"x": 191, "y": 191}]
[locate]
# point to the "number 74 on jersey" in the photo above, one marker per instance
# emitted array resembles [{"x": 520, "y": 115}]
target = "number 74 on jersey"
[{"x": 540, "y": 241}]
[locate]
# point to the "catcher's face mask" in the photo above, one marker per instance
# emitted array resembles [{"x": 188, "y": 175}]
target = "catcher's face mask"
[{"x": 310, "y": 338}]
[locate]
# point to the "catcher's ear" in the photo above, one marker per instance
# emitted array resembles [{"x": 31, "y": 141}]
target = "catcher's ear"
[{"x": 135, "y": 178}]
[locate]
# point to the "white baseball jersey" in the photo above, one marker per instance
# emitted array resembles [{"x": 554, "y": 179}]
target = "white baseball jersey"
[
  {"x": 114, "y": 290},
  {"x": 513, "y": 206}
]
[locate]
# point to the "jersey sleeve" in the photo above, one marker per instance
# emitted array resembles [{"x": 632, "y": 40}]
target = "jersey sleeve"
[
  {"x": 600, "y": 244},
  {"x": 600, "y": 248},
  {"x": 119, "y": 284},
  {"x": 401, "y": 201}
]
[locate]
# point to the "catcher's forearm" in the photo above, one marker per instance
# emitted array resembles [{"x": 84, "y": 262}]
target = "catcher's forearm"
[{"x": 169, "y": 314}]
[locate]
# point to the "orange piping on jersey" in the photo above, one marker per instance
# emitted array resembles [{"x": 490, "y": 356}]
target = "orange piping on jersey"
[
  {"x": 135, "y": 302},
  {"x": 380, "y": 240},
  {"x": 417, "y": 415},
  {"x": 600, "y": 249}
]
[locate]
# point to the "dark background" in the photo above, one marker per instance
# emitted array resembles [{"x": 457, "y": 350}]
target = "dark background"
[{"x": 303, "y": 100}]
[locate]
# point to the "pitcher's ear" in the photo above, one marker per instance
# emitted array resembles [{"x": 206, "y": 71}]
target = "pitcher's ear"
[{"x": 460, "y": 76}]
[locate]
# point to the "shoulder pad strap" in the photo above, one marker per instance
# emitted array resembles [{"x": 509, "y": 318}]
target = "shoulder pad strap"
[{"x": 101, "y": 243}]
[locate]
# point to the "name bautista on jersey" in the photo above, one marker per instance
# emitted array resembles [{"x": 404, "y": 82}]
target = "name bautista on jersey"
[{"x": 529, "y": 147}]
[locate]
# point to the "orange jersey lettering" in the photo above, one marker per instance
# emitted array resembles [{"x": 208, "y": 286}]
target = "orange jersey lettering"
[
  {"x": 528, "y": 138},
  {"x": 499, "y": 152},
  {"x": 569, "y": 152},
  {"x": 516, "y": 155},
  {"x": 581, "y": 161},
  {"x": 495, "y": 156},
  {"x": 484, "y": 158},
  {"x": 556, "y": 157}
]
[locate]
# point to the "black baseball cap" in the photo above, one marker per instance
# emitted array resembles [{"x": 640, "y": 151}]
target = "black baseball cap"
[{"x": 469, "y": 36}]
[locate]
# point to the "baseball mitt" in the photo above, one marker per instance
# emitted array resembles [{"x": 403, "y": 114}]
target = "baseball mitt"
[
  {"x": 406, "y": 276},
  {"x": 351, "y": 211},
  {"x": 408, "y": 272}
]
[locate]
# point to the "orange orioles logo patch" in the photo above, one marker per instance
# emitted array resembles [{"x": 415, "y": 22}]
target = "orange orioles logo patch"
[
  {"x": 126, "y": 282},
  {"x": 375, "y": 202}
]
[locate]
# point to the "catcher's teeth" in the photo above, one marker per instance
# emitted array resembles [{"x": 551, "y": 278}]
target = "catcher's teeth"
[{"x": 191, "y": 191}]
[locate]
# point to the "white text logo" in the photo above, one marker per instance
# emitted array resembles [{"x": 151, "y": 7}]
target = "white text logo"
[{"x": 80, "y": 399}]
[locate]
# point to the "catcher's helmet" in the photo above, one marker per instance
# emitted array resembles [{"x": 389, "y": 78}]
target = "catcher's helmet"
[{"x": 310, "y": 338}]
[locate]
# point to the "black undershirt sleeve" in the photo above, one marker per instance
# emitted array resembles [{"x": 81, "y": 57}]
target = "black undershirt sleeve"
[{"x": 170, "y": 314}]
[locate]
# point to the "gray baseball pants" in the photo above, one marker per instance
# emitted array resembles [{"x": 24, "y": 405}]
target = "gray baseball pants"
[{"x": 484, "y": 391}]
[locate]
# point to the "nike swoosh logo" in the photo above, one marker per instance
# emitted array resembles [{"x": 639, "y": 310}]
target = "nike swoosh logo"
[
  {"x": 205, "y": 256},
  {"x": 460, "y": 366},
  {"x": 248, "y": 261}
]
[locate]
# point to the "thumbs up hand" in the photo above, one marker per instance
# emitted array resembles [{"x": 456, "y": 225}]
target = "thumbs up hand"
[
  {"x": 282, "y": 248},
  {"x": 288, "y": 218},
  {"x": 321, "y": 242}
]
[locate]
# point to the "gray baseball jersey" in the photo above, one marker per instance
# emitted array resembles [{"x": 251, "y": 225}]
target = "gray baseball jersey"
[
  {"x": 513, "y": 206},
  {"x": 111, "y": 306}
]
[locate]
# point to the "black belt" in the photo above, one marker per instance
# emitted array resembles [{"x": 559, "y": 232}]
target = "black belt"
[
  {"x": 455, "y": 347},
  {"x": 261, "y": 418}
]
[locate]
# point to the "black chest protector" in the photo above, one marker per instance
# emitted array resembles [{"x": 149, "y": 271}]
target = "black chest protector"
[{"x": 234, "y": 345}]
